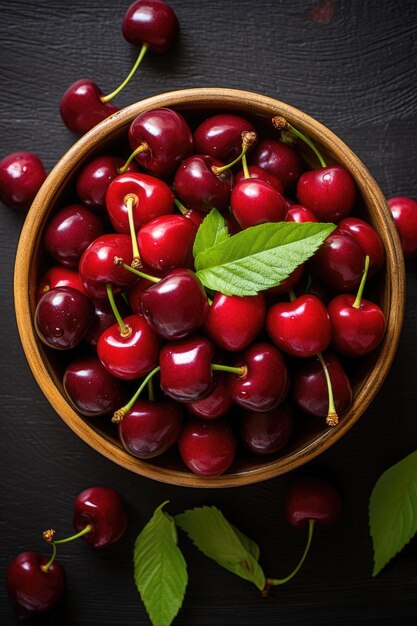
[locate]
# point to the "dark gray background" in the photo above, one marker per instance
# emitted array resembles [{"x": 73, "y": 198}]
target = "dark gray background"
[{"x": 352, "y": 66}]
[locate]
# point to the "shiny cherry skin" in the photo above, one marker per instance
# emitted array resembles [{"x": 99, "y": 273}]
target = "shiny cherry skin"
[
  {"x": 59, "y": 276},
  {"x": 355, "y": 331},
  {"x": 330, "y": 192},
  {"x": 258, "y": 172},
  {"x": 254, "y": 201},
  {"x": 311, "y": 498},
  {"x": 81, "y": 106},
  {"x": 135, "y": 294},
  {"x": 21, "y": 177},
  {"x": 278, "y": 158},
  {"x": 287, "y": 284},
  {"x": 62, "y": 317},
  {"x": 199, "y": 187},
  {"x": 104, "y": 509},
  {"x": 217, "y": 403},
  {"x": 234, "y": 322},
  {"x": 265, "y": 383},
  {"x": 103, "y": 318},
  {"x": 186, "y": 373},
  {"x": 300, "y": 328},
  {"x": 167, "y": 242},
  {"x": 404, "y": 211},
  {"x": 132, "y": 356},
  {"x": 151, "y": 428},
  {"x": 95, "y": 178},
  {"x": 91, "y": 389},
  {"x": 310, "y": 389},
  {"x": 152, "y": 196},
  {"x": 339, "y": 262},
  {"x": 207, "y": 448},
  {"x": 176, "y": 306},
  {"x": 167, "y": 137},
  {"x": 300, "y": 214},
  {"x": 31, "y": 589},
  {"x": 266, "y": 433},
  {"x": 220, "y": 136},
  {"x": 367, "y": 238},
  {"x": 152, "y": 22},
  {"x": 97, "y": 267},
  {"x": 70, "y": 232},
  {"x": 195, "y": 216}
]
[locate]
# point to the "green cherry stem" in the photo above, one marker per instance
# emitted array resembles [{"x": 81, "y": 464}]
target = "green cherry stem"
[
  {"x": 138, "y": 61},
  {"x": 119, "y": 261},
  {"x": 131, "y": 200},
  {"x": 48, "y": 535},
  {"x": 120, "y": 413},
  {"x": 332, "y": 418},
  {"x": 125, "y": 331},
  {"x": 292, "y": 295},
  {"x": 248, "y": 139},
  {"x": 282, "y": 124},
  {"x": 358, "y": 300},
  {"x": 240, "y": 371},
  {"x": 151, "y": 393},
  {"x": 183, "y": 209},
  {"x": 143, "y": 147},
  {"x": 274, "y": 582},
  {"x": 246, "y": 172}
]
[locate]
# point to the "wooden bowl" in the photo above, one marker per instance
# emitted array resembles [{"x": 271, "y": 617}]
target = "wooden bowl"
[{"x": 316, "y": 437}]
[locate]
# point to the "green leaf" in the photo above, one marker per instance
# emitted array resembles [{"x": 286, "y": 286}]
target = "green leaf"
[
  {"x": 212, "y": 231},
  {"x": 217, "y": 538},
  {"x": 259, "y": 257},
  {"x": 393, "y": 510},
  {"x": 160, "y": 571}
]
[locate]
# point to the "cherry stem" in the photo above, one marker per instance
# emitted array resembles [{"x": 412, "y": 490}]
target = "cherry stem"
[
  {"x": 240, "y": 371},
  {"x": 357, "y": 303},
  {"x": 151, "y": 393},
  {"x": 246, "y": 172},
  {"x": 282, "y": 124},
  {"x": 332, "y": 418},
  {"x": 120, "y": 413},
  {"x": 130, "y": 201},
  {"x": 143, "y": 147},
  {"x": 183, "y": 209},
  {"x": 119, "y": 261},
  {"x": 138, "y": 61},
  {"x": 269, "y": 582},
  {"x": 125, "y": 331},
  {"x": 292, "y": 295},
  {"x": 248, "y": 139},
  {"x": 54, "y": 544}
]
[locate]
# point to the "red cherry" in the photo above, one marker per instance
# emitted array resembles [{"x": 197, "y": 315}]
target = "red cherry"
[
  {"x": 339, "y": 262},
  {"x": 207, "y": 448},
  {"x": 135, "y": 294},
  {"x": 167, "y": 242},
  {"x": 59, "y": 276},
  {"x": 234, "y": 322},
  {"x": 254, "y": 201},
  {"x": 300, "y": 328},
  {"x": 152, "y": 22},
  {"x": 82, "y": 107},
  {"x": 278, "y": 158},
  {"x": 288, "y": 284},
  {"x": 300, "y": 214},
  {"x": 217, "y": 403},
  {"x": 367, "y": 238},
  {"x": 310, "y": 498},
  {"x": 199, "y": 187},
  {"x": 355, "y": 331},
  {"x": 404, "y": 211},
  {"x": 266, "y": 433},
  {"x": 103, "y": 319},
  {"x": 104, "y": 510},
  {"x": 220, "y": 136},
  {"x": 329, "y": 192},
  {"x": 186, "y": 373},
  {"x": 95, "y": 178},
  {"x": 258, "y": 173},
  {"x": 21, "y": 177}
]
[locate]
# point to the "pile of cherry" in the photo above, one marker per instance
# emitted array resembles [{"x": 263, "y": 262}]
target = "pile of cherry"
[{"x": 123, "y": 286}]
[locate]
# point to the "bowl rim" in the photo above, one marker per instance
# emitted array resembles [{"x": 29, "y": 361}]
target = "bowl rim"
[{"x": 227, "y": 99}]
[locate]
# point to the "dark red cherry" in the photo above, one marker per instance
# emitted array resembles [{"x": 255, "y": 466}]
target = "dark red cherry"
[
  {"x": 265, "y": 383},
  {"x": 95, "y": 178},
  {"x": 103, "y": 319},
  {"x": 234, "y": 322},
  {"x": 186, "y": 373},
  {"x": 135, "y": 294},
  {"x": 31, "y": 589},
  {"x": 70, "y": 232},
  {"x": 266, "y": 433},
  {"x": 21, "y": 177},
  {"x": 367, "y": 238},
  {"x": 167, "y": 242},
  {"x": 287, "y": 284},
  {"x": 300, "y": 328},
  {"x": 131, "y": 355},
  {"x": 176, "y": 306},
  {"x": 63, "y": 317},
  {"x": 258, "y": 173},
  {"x": 152, "y": 22},
  {"x": 404, "y": 211},
  {"x": 311, "y": 498},
  {"x": 330, "y": 192},
  {"x": 165, "y": 139},
  {"x": 310, "y": 389},
  {"x": 355, "y": 331},
  {"x": 91, "y": 389},
  {"x": 104, "y": 509},
  {"x": 339, "y": 262},
  {"x": 253, "y": 202},
  {"x": 152, "y": 198},
  {"x": 59, "y": 276},
  {"x": 278, "y": 158},
  {"x": 199, "y": 187},
  {"x": 97, "y": 267},
  {"x": 207, "y": 448},
  {"x": 81, "y": 106},
  {"x": 300, "y": 214},
  {"x": 217, "y": 403},
  {"x": 150, "y": 428},
  {"x": 220, "y": 136}
]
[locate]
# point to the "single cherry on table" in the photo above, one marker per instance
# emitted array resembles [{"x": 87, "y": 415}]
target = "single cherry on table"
[
  {"x": 21, "y": 176},
  {"x": 404, "y": 211}
]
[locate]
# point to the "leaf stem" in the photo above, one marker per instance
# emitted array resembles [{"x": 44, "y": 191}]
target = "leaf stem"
[
  {"x": 332, "y": 418},
  {"x": 281, "y": 581},
  {"x": 138, "y": 61},
  {"x": 125, "y": 331},
  {"x": 120, "y": 413},
  {"x": 357, "y": 303}
]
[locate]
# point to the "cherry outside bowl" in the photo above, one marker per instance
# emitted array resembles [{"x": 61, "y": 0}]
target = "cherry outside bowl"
[{"x": 47, "y": 368}]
